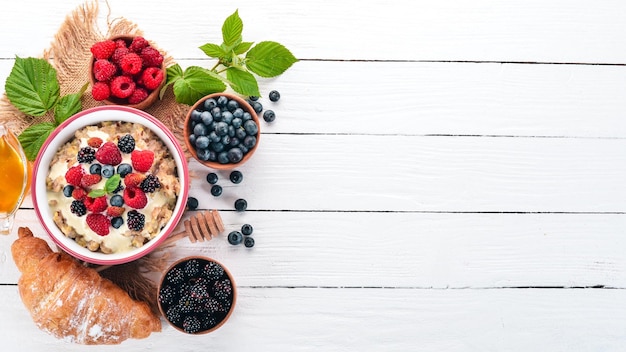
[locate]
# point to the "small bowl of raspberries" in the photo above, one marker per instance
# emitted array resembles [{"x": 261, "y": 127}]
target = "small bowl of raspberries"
[
  {"x": 196, "y": 295},
  {"x": 222, "y": 131},
  {"x": 126, "y": 70}
]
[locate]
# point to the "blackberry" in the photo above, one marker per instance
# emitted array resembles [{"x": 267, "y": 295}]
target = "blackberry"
[
  {"x": 192, "y": 268},
  {"x": 187, "y": 304},
  {"x": 212, "y": 305},
  {"x": 199, "y": 291},
  {"x": 126, "y": 144},
  {"x": 191, "y": 324},
  {"x": 192, "y": 203},
  {"x": 222, "y": 290},
  {"x": 86, "y": 155},
  {"x": 136, "y": 220},
  {"x": 208, "y": 321},
  {"x": 78, "y": 208},
  {"x": 274, "y": 95},
  {"x": 212, "y": 271},
  {"x": 248, "y": 242},
  {"x": 150, "y": 184},
  {"x": 216, "y": 190},
  {"x": 211, "y": 178},
  {"x": 247, "y": 229},
  {"x": 67, "y": 190},
  {"x": 173, "y": 314},
  {"x": 175, "y": 276},
  {"x": 167, "y": 295},
  {"x": 241, "y": 204}
]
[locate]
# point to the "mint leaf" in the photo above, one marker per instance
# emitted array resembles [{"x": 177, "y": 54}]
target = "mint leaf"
[
  {"x": 242, "y": 47},
  {"x": 68, "y": 105},
  {"x": 112, "y": 183},
  {"x": 269, "y": 59},
  {"x": 213, "y": 50},
  {"x": 242, "y": 82},
  {"x": 32, "y": 86},
  {"x": 196, "y": 83},
  {"x": 232, "y": 29},
  {"x": 33, "y": 137},
  {"x": 96, "y": 193}
]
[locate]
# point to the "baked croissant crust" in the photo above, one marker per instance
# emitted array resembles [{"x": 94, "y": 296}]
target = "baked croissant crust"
[{"x": 72, "y": 302}]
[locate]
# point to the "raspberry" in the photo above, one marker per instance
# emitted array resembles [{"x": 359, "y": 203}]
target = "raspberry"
[
  {"x": 86, "y": 155},
  {"x": 98, "y": 223},
  {"x": 136, "y": 220},
  {"x": 118, "y": 54},
  {"x": 113, "y": 211},
  {"x": 122, "y": 86},
  {"x": 89, "y": 180},
  {"x": 126, "y": 143},
  {"x": 109, "y": 154},
  {"x": 100, "y": 91},
  {"x": 138, "y": 44},
  {"x": 152, "y": 77},
  {"x": 103, "y": 49},
  {"x": 96, "y": 205},
  {"x": 150, "y": 184},
  {"x": 79, "y": 193},
  {"x": 151, "y": 57},
  {"x": 74, "y": 174},
  {"x": 135, "y": 198},
  {"x": 139, "y": 95},
  {"x": 142, "y": 160},
  {"x": 104, "y": 70},
  {"x": 94, "y": 142},
  {"x": 133, "y": 180},
  {"x": 131, "y": 63},
  {"x": 120, "y": 43},
  {"x": 78, "y": 208}
]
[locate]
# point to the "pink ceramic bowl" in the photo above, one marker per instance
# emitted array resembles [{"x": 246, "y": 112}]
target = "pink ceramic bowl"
[{"x": 64, "y": 133}]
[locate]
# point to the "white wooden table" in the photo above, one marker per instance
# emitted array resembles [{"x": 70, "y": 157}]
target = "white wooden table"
[{"x": 441, "y": 176}]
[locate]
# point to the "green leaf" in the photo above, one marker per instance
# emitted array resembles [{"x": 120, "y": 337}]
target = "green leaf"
[
  {"x": 213, "y": 50},
  {"x": 33, "y": 137},
  {"x": 242, "y": 47},
  {"x": 112, "y": 183},
  {"x": 269, "y": 59},
  {"x": 232, "y": 29},
  {"x": 68, "y": 105},
  {"x": 174, "y": 73},
  {"x": 196, "y": 83},
  {"x": 242, "y": 82},
  {"x": 96, "y": 193},
  {"x": 32, "y": 86}
]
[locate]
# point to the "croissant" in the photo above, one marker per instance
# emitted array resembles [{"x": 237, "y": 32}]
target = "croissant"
[{"x": 72, "y": 302}]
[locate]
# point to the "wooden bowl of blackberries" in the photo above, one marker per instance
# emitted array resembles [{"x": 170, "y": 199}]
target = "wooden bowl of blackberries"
[
  {"x": 222, "y": 131},
  {"x": 197, "y": 295}
]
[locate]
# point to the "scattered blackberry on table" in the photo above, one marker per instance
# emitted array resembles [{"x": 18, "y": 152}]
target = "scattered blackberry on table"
[
  {"x": 124, "y": 169},
  {"x": 246, "y": 229},
  {"x": 86, "y": 155},
  {"x": 212, "y": 271},
  {"x": 126, "y": 144},
  {"x": 236, "y": 177},
  {"x": 269, "y": 116},
  {"x": 216, "y": 190},
  {"x": 248, "y": 242},
  {"x": 150, "y": 184},
  {"x": 235, "y": 238},
  {"x": 67, "y": 190},
  {"x": 95, "y": 169},
  {"x": 212, "y": 178},
  {"x": 274, "y": 95},
  {"x": 191, "y": 324},
  {"x": 192, "y": 203},
  {"x": 107, "y": 171},
  {"x": 241, "y": 204},
  {"x": 117, "y": 222},
  {"x": 78, "y": 208},
  {"x": 135, "y": 220}
]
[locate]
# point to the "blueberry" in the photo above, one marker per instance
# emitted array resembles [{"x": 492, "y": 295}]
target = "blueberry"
[
  {"x": 212, "y": 178},
  {"x": 238, "y": 113},
  {"x": 274, "y": 95},
  {"x": 196, "y": 115},
  {"x": 117, "y": 222},
  {"x": 200, "y": 130},
  {"x": 209, "y": 104},
  {"x": 108, "y": 170},
  {"x": 241, "y": 204},
  {"x": 235, "y": 155},
  {"x": 95, "y": 169},
  {"x": 246, "y": 116},
  {"x": 214, "y": 137},
  {"x": 223, "y": 158},
  {"x": 251, "y": 127},
  {"x": 212, "y": 156},
  {"x": 124, "y": 169},
  {"x": 202, "y": 142},
  {"x": 222, "y": 101},
  {"x": 269, "y": 116},
  {"x": 240, "y": 133},
  {"x": 216, "y": 190},
  {"x": 248, "y": 242},
  {"x": 67, "y": 190},
  {"x": 246, "y": 229},
  {"x": 243, "y": 148},
  {"x": 232, "y": 105},
  {"x": 206, "y": 118},
  {"x": 117, "y": 201},
  {"x": 234, "y": 142},
  {"x": 231, "y": 131},
  {"x": 221, "y": 128},
  {"x": 225, "y": 140},
  {"x": 192, "y": 203},
  {"x": 236, "y": 177},
  {"x": 258, "y": 107},
  {"x": 217, "y": 146},
  {"x": 249, "y": 142},
  {"x": 253, "y": 98},
  {"x": 227, "y": 116},
  {"x": 235, "y": 238},
  {"x": 203, "y": 154},
  {"x": 237, "y": 122},
  {"x": 216, "y": 112},
  {"x": 192, "y": 139}
]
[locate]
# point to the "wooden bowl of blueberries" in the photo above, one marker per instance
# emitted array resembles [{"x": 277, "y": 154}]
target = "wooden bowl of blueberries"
[{"x": 222, "y": 131}]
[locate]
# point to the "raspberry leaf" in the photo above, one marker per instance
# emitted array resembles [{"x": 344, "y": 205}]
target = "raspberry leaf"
[
  {"x": 232, "y": 29},
  {"x": 32, "y": 86},
  {"x": 242, "y": 47},
  {"x": 68, "y": 105},
  {"x": 269, "y": 59},
  {"x": 196, "y": 83},
  {"x": 33, "y": 137},
  {"x": 242, "y": 82},
  {"x": 213, "y": 50}
]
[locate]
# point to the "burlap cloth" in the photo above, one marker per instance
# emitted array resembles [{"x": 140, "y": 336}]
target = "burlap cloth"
[{"x": 70, "y": 55}]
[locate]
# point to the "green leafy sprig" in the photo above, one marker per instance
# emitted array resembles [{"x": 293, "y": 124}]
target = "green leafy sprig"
[
  {"x": 109, "y": 187},
  {"x": 237, "y": 64},
  {"x": 33, "y": 88}
]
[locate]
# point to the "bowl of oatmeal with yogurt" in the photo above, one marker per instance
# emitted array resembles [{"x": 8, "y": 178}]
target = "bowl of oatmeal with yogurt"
[{"x": 110, "y": 184}]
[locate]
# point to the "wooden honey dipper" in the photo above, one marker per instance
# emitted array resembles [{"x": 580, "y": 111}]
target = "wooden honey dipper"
[{"x": 201, "y": 227}]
